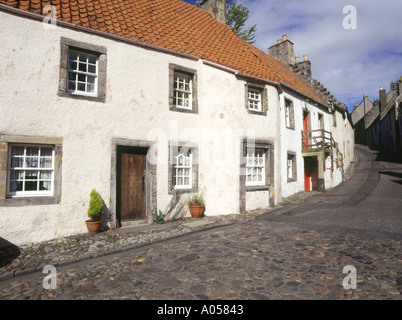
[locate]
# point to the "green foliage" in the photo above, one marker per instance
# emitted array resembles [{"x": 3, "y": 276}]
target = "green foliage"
[
  {"x": 172, "y": 211},
  {"x": 196, "y": 199},
  {"x": 160, "y": 217},
  {"x": 95, "y": 210},
  {"x": 236, "y": 17}
]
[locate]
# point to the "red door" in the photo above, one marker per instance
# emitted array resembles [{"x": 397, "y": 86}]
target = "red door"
[
  {"x": 310, "y": 173},
  {"x": 307, "y": 174},
  {"x": 305, "y": 129}
]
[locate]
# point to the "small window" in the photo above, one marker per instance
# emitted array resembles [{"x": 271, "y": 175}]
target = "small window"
[
  {"x": 255, "y": 168},
  {"x": 254, "y": 99},
  {"x": 291, "y": 167},
  {"x": 182, "y": 169},
  {"x": 82, "y": 73},
  {"x": 182, "y": 91},
  {"x": 30, "y": 170},
  {"x": 289, "y": 114}
]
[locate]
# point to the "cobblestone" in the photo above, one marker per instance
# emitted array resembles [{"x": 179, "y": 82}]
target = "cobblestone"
[{"x": 244, "y": 258}]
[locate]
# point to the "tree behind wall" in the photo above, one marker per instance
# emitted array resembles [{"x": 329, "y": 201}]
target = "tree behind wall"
[{"x": 236, "y": 17}]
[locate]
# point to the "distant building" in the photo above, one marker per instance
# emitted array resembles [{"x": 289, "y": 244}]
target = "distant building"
[
  {"x": 379, "y": 124},
  {"x": 324, "y": 129}
]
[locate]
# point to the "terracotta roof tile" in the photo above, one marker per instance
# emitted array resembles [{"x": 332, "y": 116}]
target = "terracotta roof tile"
[{"x": 172, "y": 24}]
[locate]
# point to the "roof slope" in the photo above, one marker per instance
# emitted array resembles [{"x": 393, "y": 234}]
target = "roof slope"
[{"x": 171, "y": 24}]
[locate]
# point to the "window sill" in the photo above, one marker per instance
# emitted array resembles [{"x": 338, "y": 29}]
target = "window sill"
[
  {"x": 182, "y": 191},
  {"x": 260, "y": 113},
  {"x": 28, "y": 201},
  {"x": 257, "y": 188},
  {"x": 77, "y": 96},
  {"x": 183, "y": 110}
]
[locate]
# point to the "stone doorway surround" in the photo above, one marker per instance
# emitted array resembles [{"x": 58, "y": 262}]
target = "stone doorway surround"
[{"x": 151, "y": 181}]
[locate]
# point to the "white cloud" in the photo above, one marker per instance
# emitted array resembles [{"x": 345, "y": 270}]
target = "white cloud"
[{"x": 350, "y": 63}]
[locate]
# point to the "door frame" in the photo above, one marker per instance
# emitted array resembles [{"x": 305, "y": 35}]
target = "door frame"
[
  {"x": 128, "y": 150},
  {"x": 151, "y": 177}
]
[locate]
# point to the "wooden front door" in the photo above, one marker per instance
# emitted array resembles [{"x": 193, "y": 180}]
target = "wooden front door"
[{"x": 132, "y": 186}]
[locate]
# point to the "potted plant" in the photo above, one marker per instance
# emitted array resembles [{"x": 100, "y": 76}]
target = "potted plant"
[
  {"x": 95, "y": 212},
  {"x": 196, "y": 204}
]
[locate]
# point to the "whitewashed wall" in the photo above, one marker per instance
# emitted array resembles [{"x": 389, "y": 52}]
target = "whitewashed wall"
[{"x": 136, "y": 108}]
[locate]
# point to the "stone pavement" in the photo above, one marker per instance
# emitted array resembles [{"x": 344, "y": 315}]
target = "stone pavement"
[
  {"x": 250, "y": 259},
  {"x": 31, "y": 258},
  {"x": 245, "y": 257}
]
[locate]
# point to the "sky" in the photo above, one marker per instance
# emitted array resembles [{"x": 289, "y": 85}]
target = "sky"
[{"x": 354, "y": 46}]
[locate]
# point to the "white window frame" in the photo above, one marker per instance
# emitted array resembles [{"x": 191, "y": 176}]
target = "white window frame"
[
  {"x": 24, "y": 168},
  {"x": 255, "y": 165},
  {"x": 289, "y": 110},
  {"x": 291, "y": 167},
  {"x": 183, "y": 167},
  {"x": 182, "y": 93},
  {"x": 85, "y": 74},
  {"x": 254, "y": 99}
]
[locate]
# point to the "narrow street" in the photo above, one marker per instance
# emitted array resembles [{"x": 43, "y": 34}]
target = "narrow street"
[{"x": 296, "y": 251}]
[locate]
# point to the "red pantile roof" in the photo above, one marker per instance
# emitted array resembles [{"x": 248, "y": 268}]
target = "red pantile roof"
[{"x": 174, "y": 25}]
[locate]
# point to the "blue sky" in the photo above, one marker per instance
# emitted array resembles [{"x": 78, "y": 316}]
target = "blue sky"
[{"x": 349, "y": 62}]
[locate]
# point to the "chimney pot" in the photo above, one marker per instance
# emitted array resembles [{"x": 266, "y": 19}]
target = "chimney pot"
[
  {"x": 305, "y": 56},
  {"x": 297, "y": 58},
  {"x": 284, "y": 37}
]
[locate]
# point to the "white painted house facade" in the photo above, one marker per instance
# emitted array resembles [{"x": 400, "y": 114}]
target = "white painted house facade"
[{"x": 145, "y": 125}]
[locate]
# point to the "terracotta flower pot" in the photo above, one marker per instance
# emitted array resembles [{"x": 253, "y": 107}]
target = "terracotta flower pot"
[
  {"x": 93, "y": 226},
  {"x": 196, "y": 211}
]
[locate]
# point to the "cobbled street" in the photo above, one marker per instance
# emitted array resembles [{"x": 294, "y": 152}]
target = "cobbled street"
[{"x": 278, "y": 254}]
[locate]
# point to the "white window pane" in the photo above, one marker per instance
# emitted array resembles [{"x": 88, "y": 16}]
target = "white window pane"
[
  {"x": 45, "y": 175},
  {"x": 32, "y": 151},
  {"x": 92, "y": 59},
  {"x": 46, "y": 152},
  {"x": 17, "y": 162},
  {"x": 91, "y": 79},
  {"x": 71, "y": 85},
  {"x": 45, "y": 185},
  {"x": 81, "y": 87},
  {"x": 90, "y": 88},
  {"x": 17, "y": 174},
  {"x": 31, "y": 185},
  {"x": 31, "y": 162},
  {"x": 17, "y": 151},
  {"x": 15, "y": 186},
  {"x": 91, "y": 68},
  {"x": 73, "y": 55}
]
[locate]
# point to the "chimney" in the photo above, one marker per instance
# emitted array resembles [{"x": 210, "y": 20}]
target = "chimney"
[
  {"x": 365, "y": 104},
  {"x": 283, "y": 51},
  {"x": 217, "y": 8},
  {"x": 304, "y": 66},
  {"x": 394, "y": 86},
  {"x": 383, "y": 99},
  {"x": 400, "y": 85}
]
